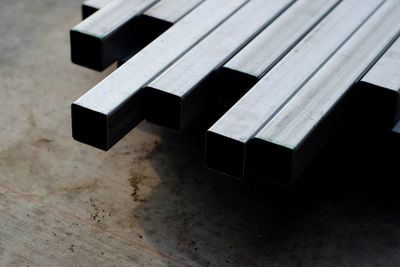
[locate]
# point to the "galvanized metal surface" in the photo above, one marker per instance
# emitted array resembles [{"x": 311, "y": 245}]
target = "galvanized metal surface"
[
  {"x": 110, "y": 34},
  {"x": 131, "y": 37},
  {"x": 172, "y": 10},
  {"x": 227, "y": 138},
  {"x": 89, "y": 7},
  {"x": 96, "y": 4},
  {"x": 182, "y": 92},
  {"x": 166, "y": 10},
  {"x": 102, "y": 116},
  {"x": 248, "y": 66},
  {"x": 160, "y": 206},
  {"x": 380, "y": 91},
  {"x": 305, "y": 125},
  {"x": 112, "y": 16},
  {"x": 385, "y": 72}
]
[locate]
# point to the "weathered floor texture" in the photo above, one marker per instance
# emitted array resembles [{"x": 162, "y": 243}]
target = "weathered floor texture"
[{"x": 150, "y": 201}]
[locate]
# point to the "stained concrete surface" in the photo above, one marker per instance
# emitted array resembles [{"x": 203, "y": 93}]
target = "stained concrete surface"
[{"x": 150, "y": 201}]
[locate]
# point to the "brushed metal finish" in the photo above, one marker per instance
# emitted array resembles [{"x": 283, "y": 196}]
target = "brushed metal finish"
[
  {"x": 166, "y": 10},
  {"x": 247, "y": 67},
  {"x": 112, "y": 16},
  {"x": 260, "y": 104},
  {"x": 89, "y": 7},
  {"x": 386, "y": 72},
  {"x": 112, "y": 108},
  {"x": 117, "y": 32},
  {"x": 380, "y": 91},
  {"x": 110, "y": 34},
  {"x": 290, "y": 141},
  {"x": 172, "y": 10},
  {"x": 181, "y": 93},
  {"x": 98, "y": 4}
]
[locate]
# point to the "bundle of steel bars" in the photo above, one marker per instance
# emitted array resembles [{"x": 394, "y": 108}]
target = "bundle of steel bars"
[{"x": 288, "y": 75}]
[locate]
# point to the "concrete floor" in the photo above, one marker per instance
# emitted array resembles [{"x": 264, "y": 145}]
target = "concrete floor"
[{"x": 150, "y": 201}]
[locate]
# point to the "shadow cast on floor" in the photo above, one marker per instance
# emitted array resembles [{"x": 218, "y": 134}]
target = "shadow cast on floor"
[{"x": 344, "y": 211}]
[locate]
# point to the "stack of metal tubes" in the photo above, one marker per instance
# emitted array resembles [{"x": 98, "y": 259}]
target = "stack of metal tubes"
[{"x": 288, "y": 75}]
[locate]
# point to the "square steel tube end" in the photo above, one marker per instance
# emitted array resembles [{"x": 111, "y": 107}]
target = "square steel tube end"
[
  {"x": 164, "y": 109},
  {"x": 90, "y": 127},
  {"x": 100, "y": 52},
  {"x": 87, "y": 50},
  {"x": 284, "y": 161},
  {"x": 87, "y": 11},
  {"x": 271, "y": 162},
  {"x": 233, "y": 84},
  {"x": 225, "y": 155},
  {"x": 105, "y": 130},
  {"x": 177, "y": 112},
  {"x": 379, "y": 106}
]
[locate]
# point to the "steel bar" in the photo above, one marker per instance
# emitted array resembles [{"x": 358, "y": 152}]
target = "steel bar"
[
  {"x": 379, "y": 91},
  {"x": 168, "y": 11},
  {"x": 227, "y": 138},
  {"x": 112, "y": 108},
  {"x": 172, "y": 11},
  {"x": 94, "y": 41},
  {"x": 89, "y": 7},
  {"x": 246, "y": 68},
  {"x": 129, "y": 32},
  {"x": 290, "y": 141},
  {"x": 181, "y": 93}
]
